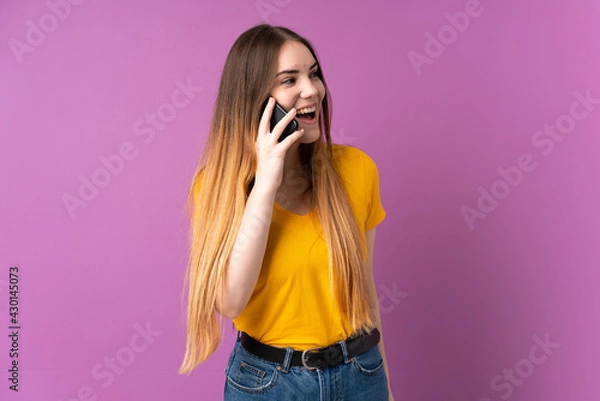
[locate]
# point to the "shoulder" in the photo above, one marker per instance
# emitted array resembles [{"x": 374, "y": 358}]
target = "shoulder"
[
  {"x": 346, "y": 154},
  {"x": 359, "y": 173},
  {"x": 350, "y": 159}
]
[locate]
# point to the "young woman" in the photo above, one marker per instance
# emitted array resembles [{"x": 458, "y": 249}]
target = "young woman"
[{"x": 282, "y": 236}]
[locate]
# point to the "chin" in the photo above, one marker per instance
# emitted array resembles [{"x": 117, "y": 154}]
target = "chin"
[{"x": 311, "y": 135}]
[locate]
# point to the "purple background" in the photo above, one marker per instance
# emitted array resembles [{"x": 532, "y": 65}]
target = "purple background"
[{"x": 461, "y": 304}]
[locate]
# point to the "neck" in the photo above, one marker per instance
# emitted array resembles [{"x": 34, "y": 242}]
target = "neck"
[{"x": 292, "y": 171}]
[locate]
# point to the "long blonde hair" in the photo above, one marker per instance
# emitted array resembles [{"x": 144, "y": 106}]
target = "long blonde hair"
[{"x": 227, "y": 168}]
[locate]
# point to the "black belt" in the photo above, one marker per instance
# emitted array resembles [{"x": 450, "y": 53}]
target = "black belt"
[{"x": 312, "y": 358}]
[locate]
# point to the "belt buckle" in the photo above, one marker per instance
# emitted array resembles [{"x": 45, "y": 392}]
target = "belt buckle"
[{"x": 305, "y": 358}]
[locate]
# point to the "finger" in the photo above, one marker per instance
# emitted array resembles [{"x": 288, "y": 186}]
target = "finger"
[
  {"x": 278, "y": 130},
  {"x": 265, "y": 125},
  {"x": 291, "y": 138}
]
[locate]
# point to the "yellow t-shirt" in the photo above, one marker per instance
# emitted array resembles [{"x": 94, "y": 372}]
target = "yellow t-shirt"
[{"x": 291, "y": 305}]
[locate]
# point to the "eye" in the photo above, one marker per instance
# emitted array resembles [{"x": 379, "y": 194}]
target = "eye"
[
  {"x": 288, "y": 81},
  {"x": 314, "y": 74}
]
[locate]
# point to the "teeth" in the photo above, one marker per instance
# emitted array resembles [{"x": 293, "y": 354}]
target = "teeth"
[{"x": 307, "y": 110}]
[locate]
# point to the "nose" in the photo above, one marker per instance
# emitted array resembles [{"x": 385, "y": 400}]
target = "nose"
[{"x": 308, "y": 88}]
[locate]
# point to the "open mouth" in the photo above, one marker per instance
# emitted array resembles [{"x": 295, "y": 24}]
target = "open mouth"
[{"x": 307, "y": 115}]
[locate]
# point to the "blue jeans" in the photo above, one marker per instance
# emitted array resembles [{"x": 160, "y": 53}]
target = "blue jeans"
[{"x": 250, "y": 378}]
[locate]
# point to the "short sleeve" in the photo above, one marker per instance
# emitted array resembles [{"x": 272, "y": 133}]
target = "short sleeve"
[
  {"x": 192, "y": 201},
  {"x": 197, "y": 183},
  {"x": 375, "y": 211}
]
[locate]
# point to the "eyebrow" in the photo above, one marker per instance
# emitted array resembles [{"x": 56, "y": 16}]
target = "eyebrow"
[{"x": 295, "y": 71}]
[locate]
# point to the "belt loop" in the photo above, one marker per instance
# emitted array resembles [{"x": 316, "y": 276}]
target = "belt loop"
[
  {"x": 288, "y": 359},
  {"x": 344, "y": 351},
  {"x": 239, "y": 334}
]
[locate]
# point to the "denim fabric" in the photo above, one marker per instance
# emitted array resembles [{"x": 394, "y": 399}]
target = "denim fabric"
[{"x": 250, "y": 378}]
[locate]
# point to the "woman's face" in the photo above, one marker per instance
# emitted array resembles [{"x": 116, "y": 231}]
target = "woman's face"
[{"x": 298, "y": 86}]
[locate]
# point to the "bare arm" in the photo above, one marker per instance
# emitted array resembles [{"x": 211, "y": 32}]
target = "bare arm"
[
  {"x": 374, "y": 301},
  {"x": 246, "y": 259},
  {"x": 245, "y": 262}
]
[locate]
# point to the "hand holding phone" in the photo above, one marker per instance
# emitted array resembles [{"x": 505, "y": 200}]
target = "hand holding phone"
[{"x": 278, "y": 113}]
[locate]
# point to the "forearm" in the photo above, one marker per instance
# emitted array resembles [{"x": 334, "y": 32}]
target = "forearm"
[
  {"x": 378, "y": 325},
  {"x": 245, "y": 262},
  {"x": 374, "y": 302},
  {"x": 385, "y": 365}
]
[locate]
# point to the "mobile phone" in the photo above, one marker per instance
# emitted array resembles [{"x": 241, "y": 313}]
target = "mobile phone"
[{"x": 278, "y": 113}]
